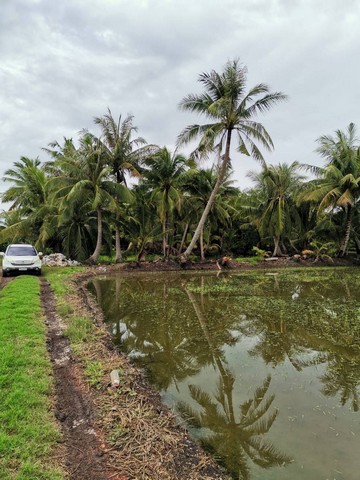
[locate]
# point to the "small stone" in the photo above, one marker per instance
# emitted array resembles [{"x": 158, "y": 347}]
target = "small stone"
[{"x": 62, "y": 417}]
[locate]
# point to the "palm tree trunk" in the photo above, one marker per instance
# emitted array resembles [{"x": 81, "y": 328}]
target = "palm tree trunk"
[
  {"x": 220, "y": 179},
  {"x": 98, "y": 292},
  {"x": 164, "y": 239},
  {"x": 118, "y": 253},
  {"x": 95, "y": 256},
  {"x": 202, "y": 256},
  {"x": 345, "y": 241},
  {"x": 277, "y": 250},
  {"x": 183, "y": 237},
  {"x": 357, "y": 245}
]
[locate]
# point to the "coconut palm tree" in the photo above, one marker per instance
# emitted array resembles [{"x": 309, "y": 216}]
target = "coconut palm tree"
[
  {"x": 163, "y": 178},
  {"x": 139, "y": 223},
  {"x": 124, "y": 154},
  {"x": 338, "y": 183},
  {"x": 28, "y": 185},
  {"x": 230, "y": 111},
  {"x": 82, "y": 176},
  {"x": 274, "y": 211},
  {"x": 29, "y": 197}
]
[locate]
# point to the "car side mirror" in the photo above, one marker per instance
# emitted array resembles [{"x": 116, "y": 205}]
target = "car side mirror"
[
  {"x": 2, "y": 254},
  {"x": 40, "y": 254}
]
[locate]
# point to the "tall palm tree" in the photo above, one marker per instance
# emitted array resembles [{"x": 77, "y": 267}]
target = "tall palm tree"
[
  {"x": 124, "y": 154},
  {"x": 230, "y": 110},
  {"x": 82, "y": 177},
  {"x": 163, "y": 178},
  {"x": 338, "y": 183},
  {"x": 275, "y": 211},
  {"x": 77, "y": 230}
]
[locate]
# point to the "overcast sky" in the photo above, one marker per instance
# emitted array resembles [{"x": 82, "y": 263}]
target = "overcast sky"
[{"x": 62, "y": 63}]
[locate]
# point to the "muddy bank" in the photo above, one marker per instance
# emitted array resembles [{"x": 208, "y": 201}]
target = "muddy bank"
[{"x": 219, "y": 265}]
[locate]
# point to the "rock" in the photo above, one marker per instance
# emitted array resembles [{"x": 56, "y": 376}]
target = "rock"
[{"x": 58, "y": 260}]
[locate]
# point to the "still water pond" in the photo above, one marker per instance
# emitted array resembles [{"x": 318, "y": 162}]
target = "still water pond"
[{"x": 265, "y": 367}]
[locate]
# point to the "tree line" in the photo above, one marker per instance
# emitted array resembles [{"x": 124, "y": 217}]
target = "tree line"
[{"x": 82, "y": 203}]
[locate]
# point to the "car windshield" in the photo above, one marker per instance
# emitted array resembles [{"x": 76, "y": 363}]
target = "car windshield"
[{"x": 21, "y": 251}]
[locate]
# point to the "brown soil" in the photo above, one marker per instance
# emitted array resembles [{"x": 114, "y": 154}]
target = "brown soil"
[
  {"x": 4, "y": 281},
  {"x": 217, "y": 265},
  {"x": 127, "y": 433}
]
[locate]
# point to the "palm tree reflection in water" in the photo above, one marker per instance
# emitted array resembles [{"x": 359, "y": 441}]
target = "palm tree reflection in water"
[{"x": 233, "y": 437}]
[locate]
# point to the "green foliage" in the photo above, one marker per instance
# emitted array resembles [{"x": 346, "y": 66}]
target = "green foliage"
[
  {"x": 323, "y": 251},
  {"x": 117, "y": 434},
  {"x": 271, "y": 206},
  {"x": 337, "y": 186},
  {"x": 248, "y": 260},
  {"x": 230, "y": 111},
  {"x": 80, "y": 202},
  {"x": 140, "y": 226},
  {"x": 94, "y": 372},
  {"x": 260, "y": 253},
  {"x": 79, "y": 328}
]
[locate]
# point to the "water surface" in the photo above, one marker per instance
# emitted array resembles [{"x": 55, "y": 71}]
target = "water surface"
[{"x": 264, "y": 367}]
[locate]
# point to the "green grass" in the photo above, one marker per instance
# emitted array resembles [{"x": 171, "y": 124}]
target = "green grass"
[
  {"x": 79, "y": 328},
  {"x": 28, "y": 433},
  {"x": 249, "y": 260}
]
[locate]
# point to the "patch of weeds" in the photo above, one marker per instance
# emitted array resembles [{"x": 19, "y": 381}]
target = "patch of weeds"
[
  {"x": 94, "y": 372},
  {"x": 106, "y": 259},
  {"x": 117, "y": 434},
  {"x": 65, "y": 309},
  {"x": 79, "y": 329},
  {"x": 215, "y": 288},
  {"x": 249, "y": 260}
]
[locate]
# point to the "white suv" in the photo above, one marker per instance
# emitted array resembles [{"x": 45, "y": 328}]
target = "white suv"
[{"x": 21, "y": 258}]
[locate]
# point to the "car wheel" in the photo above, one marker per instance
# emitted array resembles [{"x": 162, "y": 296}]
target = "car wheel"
[{"x": 4, "y": 274}]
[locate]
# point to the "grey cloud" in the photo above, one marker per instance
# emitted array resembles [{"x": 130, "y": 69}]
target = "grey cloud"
[{"x": 62, "y": 63}]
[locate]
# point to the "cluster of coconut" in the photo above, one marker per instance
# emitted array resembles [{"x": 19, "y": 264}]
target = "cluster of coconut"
[{"x": 58, "y": 260}]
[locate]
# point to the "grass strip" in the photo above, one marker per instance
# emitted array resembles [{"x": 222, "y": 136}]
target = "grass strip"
[
  {"x": 28, "y": 433},
  {"x": 79, "y": 328}
]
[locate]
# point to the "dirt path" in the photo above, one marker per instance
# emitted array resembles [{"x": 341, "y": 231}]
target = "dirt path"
[
  {"x": 84, "y": 457},
  {"x": 4, "y": 281}
]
